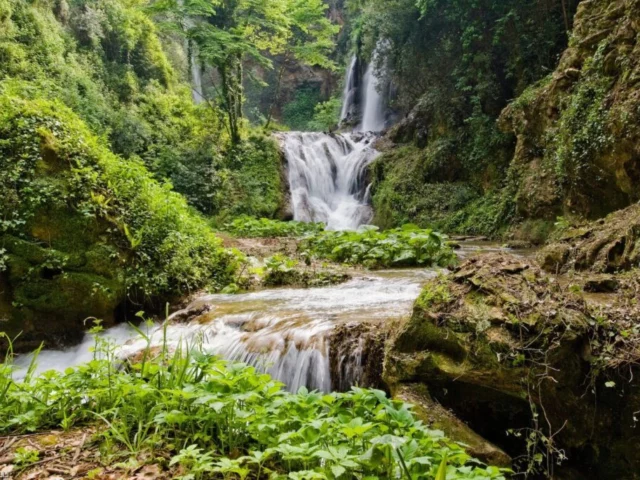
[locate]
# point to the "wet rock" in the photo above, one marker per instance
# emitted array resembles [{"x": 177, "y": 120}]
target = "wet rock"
[
  {"x": 437, "y": 417},
  {"x": 506, "y": 348},
  {"x": 356, "y": 355},
  {"x": 518, "y": 245},
  {"x": 189, "y": 314}
]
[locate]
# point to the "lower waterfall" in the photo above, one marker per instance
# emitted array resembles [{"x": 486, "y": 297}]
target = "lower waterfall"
[{"x": 328, "y": 177}]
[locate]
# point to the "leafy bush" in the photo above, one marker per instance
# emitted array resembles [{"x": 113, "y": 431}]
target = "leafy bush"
[
  {"x": 223, "y": 420},
  {"x": 250, "y": 227},
  {"x": 402, "y": 247},
  {"x": 300, "y": 110}
]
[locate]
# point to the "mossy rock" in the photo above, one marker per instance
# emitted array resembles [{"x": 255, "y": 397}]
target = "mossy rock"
[
  {"x": 498, "y": 340},
  {"x": 608, "y": 245}
]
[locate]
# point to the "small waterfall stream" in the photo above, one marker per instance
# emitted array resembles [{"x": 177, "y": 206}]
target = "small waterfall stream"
[
  {"x": 349, "y": 96},
  {"x": 373, "y": 115},
  {"x": 285, "y": 332}
]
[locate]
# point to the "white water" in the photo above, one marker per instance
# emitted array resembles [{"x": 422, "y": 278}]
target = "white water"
[
  {"x": 350, "y": 90},
  {"x": 373, "y": 115},
  {"x": 327, "y": 177},
  {"x": 196, "y": 81},
  {"x": 285, "y": 332}
]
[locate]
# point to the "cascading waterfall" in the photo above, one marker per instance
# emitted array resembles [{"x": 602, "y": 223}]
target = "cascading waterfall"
[
  {"x": 327, "y": 177},
  {"x": 349, "y": 95},
  {"x": 287, "y": 333},
  {"x": 373, "y": 114}
]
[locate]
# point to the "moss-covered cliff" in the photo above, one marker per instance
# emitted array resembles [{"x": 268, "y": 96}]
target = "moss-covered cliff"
[
  {"x": 578, "y": 130},
  {"x": 568, "y": 141}
]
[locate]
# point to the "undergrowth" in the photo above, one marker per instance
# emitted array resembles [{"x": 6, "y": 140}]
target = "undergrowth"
[
  {"x": 401, "y": 247},
  {"x": 201, "y": 417}
]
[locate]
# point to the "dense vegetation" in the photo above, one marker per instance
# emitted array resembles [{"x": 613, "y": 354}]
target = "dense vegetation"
[
  {"x": 403, "y": 247},
  {"x": 454, "y": 66},
  {"x": 250, "y": 227},
  {"x": 215, "y": 419}
]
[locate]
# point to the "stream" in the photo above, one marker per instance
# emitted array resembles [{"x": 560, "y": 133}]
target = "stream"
[
  {"x": 315, "y": 338},
  {"x": 286, "y": 332}
]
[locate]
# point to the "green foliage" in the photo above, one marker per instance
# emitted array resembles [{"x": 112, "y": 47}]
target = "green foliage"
[
  {"x": 280, "y": 270},
  {"x": 250, "y": 227},
  {"x": 424, "y": 186},
  {"x": 51, "y": 162},
  {"x": 249, "y": 182},
  {"x": 403, "y": 247},
  {"x": 215, "y": 418},
  {"x": 104, "y": 60},
  {"x": 298, "y": 113},
  {"x": 582, "y": 131},
  {"x": 326, "y": 115}
]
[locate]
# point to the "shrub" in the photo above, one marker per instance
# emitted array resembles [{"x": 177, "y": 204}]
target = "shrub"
[
  {"x": 50, "y": 162},
  {"x": 402, "y": 247}
]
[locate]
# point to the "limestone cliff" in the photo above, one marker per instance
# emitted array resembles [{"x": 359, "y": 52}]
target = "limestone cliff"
[{"x": 578, "y": 130}]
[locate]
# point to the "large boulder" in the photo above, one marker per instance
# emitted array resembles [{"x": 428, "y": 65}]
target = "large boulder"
[{"x": 528, "y": 364}]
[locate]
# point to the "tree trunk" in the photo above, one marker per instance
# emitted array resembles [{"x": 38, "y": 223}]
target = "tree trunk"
[
  {"x": 231, "y": 76},
  {"x": 278, "y": 87}
]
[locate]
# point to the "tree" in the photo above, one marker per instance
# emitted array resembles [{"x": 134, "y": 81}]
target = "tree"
[
  {"x": 229, "y": 32},
  {"x": 310, "y": 42}
]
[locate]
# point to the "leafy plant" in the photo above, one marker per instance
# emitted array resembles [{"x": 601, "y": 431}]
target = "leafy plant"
[
  {"x": 402, "y": 247},
  {"x": 215, "y": 417},
  {"x": 250, "y": 227}
]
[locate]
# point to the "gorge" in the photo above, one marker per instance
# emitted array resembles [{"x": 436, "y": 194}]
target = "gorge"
[{"x": 319, "y": 240}]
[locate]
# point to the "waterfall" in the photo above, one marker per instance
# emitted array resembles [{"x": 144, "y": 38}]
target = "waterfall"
[
  {"x": 373, "y": 115},
  {"x": 196, "y": 81},
  {"x": 327, "y": 177},
  {"x": 350, "y": 90}
]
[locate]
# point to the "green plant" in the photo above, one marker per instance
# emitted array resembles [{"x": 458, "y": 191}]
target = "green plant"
[
  {"x": 210, "y": 416},
  {"x": 26, "y": 456},
  {"x": 250, "y": 227},
  {"x": 403, "y": 247}
]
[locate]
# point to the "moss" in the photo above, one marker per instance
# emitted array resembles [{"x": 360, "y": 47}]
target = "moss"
[{"x": 425, "y": 187}]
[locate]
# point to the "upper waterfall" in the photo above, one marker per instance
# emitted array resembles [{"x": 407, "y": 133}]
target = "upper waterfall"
[
  {"x": 327, "y": 177},
  {"x": 373, "y": 114},
  {"x": 349, "y": 96}
]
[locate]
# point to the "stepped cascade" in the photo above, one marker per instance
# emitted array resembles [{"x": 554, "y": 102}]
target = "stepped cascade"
[{"x": 328, "y": 177}]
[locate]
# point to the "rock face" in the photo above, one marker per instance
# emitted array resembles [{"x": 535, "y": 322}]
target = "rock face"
[
  {"x": 578, "y": 131},
  {"x": 53, "y": 284},
  {"x": 528, "y": 365},
  {"x": 609, "y": 245}
]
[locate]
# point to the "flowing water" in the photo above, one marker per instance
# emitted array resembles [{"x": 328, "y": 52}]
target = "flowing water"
[
  {"x": 327, "y": 177},
  {"x": 285, "y": 332},
  {"x": 350, "y": 94},
  {"x": 373, "y": 114}
]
